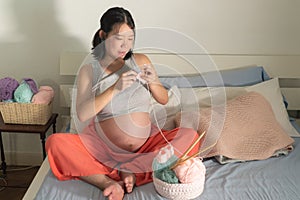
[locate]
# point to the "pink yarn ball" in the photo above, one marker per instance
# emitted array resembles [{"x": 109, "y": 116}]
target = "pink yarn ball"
[{"x": 190, "y": 171}]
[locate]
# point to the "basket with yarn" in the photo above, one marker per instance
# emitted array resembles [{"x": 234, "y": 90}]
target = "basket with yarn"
[
  {"x": 178, "y": 178},
  {"x": 24, "y": 103}
]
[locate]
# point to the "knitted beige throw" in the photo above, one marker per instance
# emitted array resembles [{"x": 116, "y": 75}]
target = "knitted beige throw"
[{"x": 250, "y": 130}]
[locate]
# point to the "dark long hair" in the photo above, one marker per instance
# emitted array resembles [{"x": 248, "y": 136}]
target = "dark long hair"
[{"x": 109, "y": 20}]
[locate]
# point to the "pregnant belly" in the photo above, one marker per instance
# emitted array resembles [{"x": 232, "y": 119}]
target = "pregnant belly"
[{"x": 128, "y": 132}]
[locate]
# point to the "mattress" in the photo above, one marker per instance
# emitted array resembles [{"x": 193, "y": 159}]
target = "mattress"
[{"x": 273, "y": 178}]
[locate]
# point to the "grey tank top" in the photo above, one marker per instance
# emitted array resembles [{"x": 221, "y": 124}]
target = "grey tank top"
[{"x": 135, "y": 98}]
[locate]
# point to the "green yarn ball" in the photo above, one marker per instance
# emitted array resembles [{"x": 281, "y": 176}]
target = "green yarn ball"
[
  {"x": 163, "y": 172},
  {"x": 23, "y": 93}
]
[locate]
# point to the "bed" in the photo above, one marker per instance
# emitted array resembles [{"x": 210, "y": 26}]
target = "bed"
[{"x": 276, "y": 177}]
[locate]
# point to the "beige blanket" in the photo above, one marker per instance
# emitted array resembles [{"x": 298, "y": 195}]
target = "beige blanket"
[{"x": 245, "y": 130}]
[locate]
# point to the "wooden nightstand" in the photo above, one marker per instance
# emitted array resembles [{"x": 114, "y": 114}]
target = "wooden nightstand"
[{"x": 24, "y": 128}]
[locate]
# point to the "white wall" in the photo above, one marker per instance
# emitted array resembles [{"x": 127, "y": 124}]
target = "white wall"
[{"x": 34, "y": 33}]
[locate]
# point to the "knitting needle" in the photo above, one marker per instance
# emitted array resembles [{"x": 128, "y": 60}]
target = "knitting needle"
[
  {"x": 192, "y": 146},
  {"x": 188, "y": 150},
  {"x": 181, "y": 161}
]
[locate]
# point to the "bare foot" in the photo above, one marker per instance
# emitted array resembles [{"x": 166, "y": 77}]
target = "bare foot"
[
  {"x": 129, "y": 181},
  {"x": 114, "y": 191}
]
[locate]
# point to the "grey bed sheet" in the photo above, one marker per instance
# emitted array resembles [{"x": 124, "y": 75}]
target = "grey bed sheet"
[{"x": 271, "y": 179}]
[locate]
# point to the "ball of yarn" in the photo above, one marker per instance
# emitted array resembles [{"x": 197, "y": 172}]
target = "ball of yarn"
[
  {"x": 32, "y": 85},
  {"x": 43, "y": 96},
  {"x": 7, "y": 87},
  {"x": 23, "y": 93},
  {"x": 163, "y": 172},
  {"x": 167, "y": 175},
  {"x": 190, "y": 171}
]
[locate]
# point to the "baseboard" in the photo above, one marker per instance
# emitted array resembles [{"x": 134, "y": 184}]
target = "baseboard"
[{"x": 21, "y": 158}]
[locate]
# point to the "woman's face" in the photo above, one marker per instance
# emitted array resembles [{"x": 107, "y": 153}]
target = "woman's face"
[{"x": 119, "y": 42}]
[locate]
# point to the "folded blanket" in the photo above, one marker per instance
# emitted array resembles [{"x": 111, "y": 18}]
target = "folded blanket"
[
  {"x": 7, "y": 87},
  {"x": 281, "y": 152},
  {"x": 250, "y": 130},
  {"x": 44, "y": 95}
]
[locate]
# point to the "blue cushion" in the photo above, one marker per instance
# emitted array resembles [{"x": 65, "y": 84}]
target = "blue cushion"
[
  {"x": 243, "y": 76},
  {"x": 236, "y": 77}
]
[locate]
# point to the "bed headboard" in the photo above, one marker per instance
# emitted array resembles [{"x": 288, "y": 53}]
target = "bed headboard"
[{"x": 284, "y": 67}]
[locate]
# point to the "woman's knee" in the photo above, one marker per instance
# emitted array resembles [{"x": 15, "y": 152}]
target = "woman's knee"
[
  {"x": 57, "y": 141},
  {"x": 188, "y": 131}
]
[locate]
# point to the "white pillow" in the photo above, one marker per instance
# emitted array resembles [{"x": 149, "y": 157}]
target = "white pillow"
[
  {"x": 163, "y": 116},
  {"x": 216, "y": 95},
  {"x": 207, "y": 96},
  {"x": 271, "y": 91}
]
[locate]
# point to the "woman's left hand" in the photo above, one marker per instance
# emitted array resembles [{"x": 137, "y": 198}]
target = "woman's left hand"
[{"x": 149, "y": 74}]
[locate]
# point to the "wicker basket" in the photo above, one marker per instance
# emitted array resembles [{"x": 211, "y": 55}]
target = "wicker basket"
[
  {"x": 25, "y": 113},
  {"x": 179, "y": 191}
]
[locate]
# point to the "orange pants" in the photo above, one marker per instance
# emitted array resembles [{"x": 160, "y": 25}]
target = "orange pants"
[{"x": 70, "y": 158}]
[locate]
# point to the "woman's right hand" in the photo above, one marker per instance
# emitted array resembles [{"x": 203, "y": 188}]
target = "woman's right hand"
[{"x": 125, "y": 80}]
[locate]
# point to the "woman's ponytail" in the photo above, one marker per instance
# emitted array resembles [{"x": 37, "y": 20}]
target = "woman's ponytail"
[
  {"x": 98, "y": 49},
  {"x": 96, "y": 40}
]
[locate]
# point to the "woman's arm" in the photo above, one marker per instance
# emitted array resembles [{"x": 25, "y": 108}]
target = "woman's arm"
[
  {"x": 87, "y": 103},
  {"x": 159, "y": 93}
]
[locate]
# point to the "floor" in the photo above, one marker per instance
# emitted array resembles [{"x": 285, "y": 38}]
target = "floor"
[{"x": 16, "y": 182}]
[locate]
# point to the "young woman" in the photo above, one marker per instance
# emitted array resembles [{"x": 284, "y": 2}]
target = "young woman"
[{"x": 115, "y": 150}]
